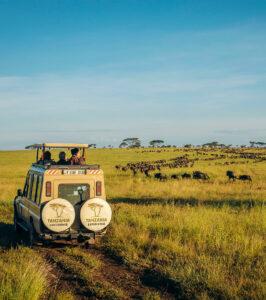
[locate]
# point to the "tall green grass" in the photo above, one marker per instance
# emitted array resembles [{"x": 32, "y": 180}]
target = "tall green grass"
[
  {"x": 23, "y": 275},
  {"x": 199, "y": 251}
]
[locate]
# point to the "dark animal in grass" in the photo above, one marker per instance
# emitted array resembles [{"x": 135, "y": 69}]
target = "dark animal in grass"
[
  {"x": 160, "y": 176},
  {"x": 134, "y": 171},
  {"x": 174, "y": 176},
  {"x": 185, "y": 176},
  {"x": 200, "y": 175},
  {"x": 146, "y": 172},
  {"x": 231, "y": 175},
  {"x": 245, "y": 178}
]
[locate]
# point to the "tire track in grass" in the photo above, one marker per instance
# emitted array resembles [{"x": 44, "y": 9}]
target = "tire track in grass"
[
  {"x": 60, "y": 281},
  {"x": 80, "y": 275},
  {"x": 89, "y": 273},
  {"x": 150, "y": 278},
  {"x": 121, "y": 276}
]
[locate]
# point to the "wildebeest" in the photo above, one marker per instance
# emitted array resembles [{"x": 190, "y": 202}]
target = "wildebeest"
[
  {"x": 146, "y": 172},
  {"x": 174, "y": 176},
  {"x": 231, "y": 175},
  {"x": 245, "y": 178},
  {"x": 185, "y": 175},
  {"x": 200, "y": 175},
  {"x": 160, "y": 176},
  {"x": 134, "y": 171}
]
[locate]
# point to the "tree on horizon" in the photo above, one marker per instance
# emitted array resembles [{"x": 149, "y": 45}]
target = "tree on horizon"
[
  {"x": 131, "y": 142},
  {"x": 156, "y": 143}
]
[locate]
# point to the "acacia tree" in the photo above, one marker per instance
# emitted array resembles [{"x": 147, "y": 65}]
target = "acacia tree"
[
  {"x": 252, "y": 144},
  {"x": 211, "y": 144},
  {"x": 123, "y": 145},
  {"x": 260, "y": 144},
  {"x": 131, "y": 142},
  {"x": 156, "y": 143},
  {"x": 188, "y": 146}
]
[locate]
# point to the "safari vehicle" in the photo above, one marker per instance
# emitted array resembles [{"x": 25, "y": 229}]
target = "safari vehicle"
[{"x": 62, "y": 202}]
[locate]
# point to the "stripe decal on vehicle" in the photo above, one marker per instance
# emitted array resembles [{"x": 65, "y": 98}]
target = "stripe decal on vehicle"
[
  {"x": 93, "y": 172},
  {"x": 53, "y": 172},
  {"x": 58, "y": 172}
]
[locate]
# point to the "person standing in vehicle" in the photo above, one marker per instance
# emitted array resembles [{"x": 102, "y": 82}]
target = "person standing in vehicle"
[
  {"x": 46, "y": 159},
  {"x": 62, "y": 159},
  {"x": 76, "y": 159}
]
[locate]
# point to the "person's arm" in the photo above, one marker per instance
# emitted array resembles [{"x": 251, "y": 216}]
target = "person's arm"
[{"x": 82, "y": 161}]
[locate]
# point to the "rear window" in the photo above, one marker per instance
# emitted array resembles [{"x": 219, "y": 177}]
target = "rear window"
[{"x": 70, "y": 192}]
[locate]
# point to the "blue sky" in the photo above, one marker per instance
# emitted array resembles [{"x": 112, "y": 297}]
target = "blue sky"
[{"x": 99, "y": 71}]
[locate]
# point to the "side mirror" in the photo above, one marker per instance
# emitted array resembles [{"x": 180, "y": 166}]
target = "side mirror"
[{"x": 19, "y": 193}]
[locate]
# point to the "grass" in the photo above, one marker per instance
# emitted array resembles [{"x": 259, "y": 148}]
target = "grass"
[
  {"x": 202, "y": 239},
  {"x": 22, "y": 275},
  {"x": 197, "y": 250}
]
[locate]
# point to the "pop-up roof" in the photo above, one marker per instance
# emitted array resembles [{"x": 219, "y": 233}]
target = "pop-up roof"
[
  {"x": 45, "y": 146},
  {"x": 56, "y": 145}
]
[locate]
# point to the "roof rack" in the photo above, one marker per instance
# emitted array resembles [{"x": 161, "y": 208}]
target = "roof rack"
[
  {"x": 44, "y": 146},
  {"x": 56, "y": 145},
  {"x": 67, "y": 167}
]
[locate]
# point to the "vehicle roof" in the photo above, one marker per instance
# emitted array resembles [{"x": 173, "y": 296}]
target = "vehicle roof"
[
  {"x": 56, "y": 145},
  {"x": 42, "y": 168}
]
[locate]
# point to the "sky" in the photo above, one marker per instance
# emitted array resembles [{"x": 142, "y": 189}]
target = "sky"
[{"x": 98, "y": 71}]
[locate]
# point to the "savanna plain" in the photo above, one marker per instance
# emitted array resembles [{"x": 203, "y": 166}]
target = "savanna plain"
[{"x": 168, "y": 239}]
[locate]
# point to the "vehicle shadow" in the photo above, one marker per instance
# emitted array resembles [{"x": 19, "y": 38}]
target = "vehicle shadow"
[
  {"x": 8, "y": 236},
  {"x": 190, "y": 202}
]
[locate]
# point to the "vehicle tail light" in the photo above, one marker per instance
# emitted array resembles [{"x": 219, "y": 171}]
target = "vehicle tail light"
[
  {"x": 98, "y": 188},
  {"x": 48, "y": 192}
]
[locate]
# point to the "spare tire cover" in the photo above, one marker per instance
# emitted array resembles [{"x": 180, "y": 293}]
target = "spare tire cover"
[
  {"x": 58, "y": 215},
  {"x": 95, "y": 214}
]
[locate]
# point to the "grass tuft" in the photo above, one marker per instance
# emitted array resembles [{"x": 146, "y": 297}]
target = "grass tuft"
[{"x": 22, "y": 275}]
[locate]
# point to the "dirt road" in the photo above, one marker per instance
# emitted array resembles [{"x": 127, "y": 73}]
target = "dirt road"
[{"x": 91, "y": 273}]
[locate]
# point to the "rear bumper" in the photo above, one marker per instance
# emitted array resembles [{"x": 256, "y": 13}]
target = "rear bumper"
[
  {"x": 79, "y": 236},
  {"x": 66, "y": 236}
]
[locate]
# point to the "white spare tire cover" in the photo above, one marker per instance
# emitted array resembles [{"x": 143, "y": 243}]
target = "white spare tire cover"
[
  {"x": 95, "y": 214},
  {"x": 58, "y": 215}
]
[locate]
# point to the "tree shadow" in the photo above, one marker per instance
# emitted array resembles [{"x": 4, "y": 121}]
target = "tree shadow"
[{"x": 190, "y": 202}]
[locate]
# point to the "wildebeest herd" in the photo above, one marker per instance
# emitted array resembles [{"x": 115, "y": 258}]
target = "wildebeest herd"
[
  {"x": 148, "y": 167},
  {"x": 228, "y": 156}
]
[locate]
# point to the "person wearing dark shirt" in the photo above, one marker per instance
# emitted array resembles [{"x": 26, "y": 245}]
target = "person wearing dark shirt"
[
  {"x": 46, "y": 159},
  {"x": 62, "y": 159}
]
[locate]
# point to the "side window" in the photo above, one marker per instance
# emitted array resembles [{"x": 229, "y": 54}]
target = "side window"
[
  {"x": 26, "y": 186},
  {"x": 38, "y": 189},
  {"x": 31, "y": 178},
  {"x": 33, "y": 186}
]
